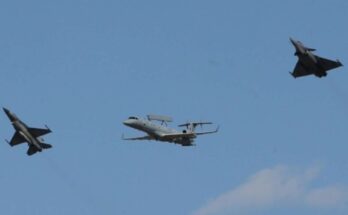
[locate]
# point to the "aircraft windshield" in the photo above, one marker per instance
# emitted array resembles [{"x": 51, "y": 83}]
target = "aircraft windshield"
[{"x": 133, "y": 117}]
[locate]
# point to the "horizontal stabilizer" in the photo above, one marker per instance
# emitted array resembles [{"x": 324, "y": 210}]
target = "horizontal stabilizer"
[
  {"x": 32, "y": 150},
  {"x": 45, "y": 145}
]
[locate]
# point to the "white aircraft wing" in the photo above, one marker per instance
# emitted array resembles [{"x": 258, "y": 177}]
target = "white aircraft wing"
[
  {"x": 208, "y": 132},
  {"x": 138, "y": 138},
  {"x": 189, "y": 135},
  {"x": 179, "y": 135},
  {"x": 195, "y": 124}
]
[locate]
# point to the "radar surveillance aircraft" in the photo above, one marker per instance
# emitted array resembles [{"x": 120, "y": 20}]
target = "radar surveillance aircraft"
[
  {"x": 26, "y": 134},
  {"x": 310, "y": 64},
  {"x": 161, "y": 132}
]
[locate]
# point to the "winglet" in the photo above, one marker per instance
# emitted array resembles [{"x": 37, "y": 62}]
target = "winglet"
[
  {"x": 217, "y": 128},
  {"x": 292, "y": 74},
  {"x": 122, "y": 137},
  {"x": 8, "y": 142},
  {"x": 48, "y": 128}
]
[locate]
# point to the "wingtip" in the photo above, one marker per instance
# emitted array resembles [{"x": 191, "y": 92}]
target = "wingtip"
[
  {"x": 48, "y": 128},
  {"x": 8, "y": 142}
]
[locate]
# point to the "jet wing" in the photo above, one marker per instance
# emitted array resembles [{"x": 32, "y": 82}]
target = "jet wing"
[
  {"x": 208, "y": 132},
  {"x": 179, "y": 135},
  {"x": 195, "y": 124},
  {"x": 37, "y": 132},
  {"x": 17, "y": 139},
  {"x": 328, "y": 64},
  {"x": 138, "y": 138},
  {"x": 299, "y": 71},
  {"x": 188, "y": 135}
]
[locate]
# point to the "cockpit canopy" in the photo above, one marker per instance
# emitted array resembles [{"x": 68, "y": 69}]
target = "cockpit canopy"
[{"x": 133, "y": 117}]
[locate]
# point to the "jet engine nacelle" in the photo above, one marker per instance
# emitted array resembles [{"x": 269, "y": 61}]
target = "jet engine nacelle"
[{"x": 184, "y": 131}]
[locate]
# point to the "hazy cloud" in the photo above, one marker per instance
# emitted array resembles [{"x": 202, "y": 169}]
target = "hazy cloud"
[
  {"x": 274, "y": 187},
  {"x": 333, "y": 196}
]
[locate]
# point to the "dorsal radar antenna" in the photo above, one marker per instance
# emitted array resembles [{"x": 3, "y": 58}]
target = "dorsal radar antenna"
[{"x": 163, "y": 119}]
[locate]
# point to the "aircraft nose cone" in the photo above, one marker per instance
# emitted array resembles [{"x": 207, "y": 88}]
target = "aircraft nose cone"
[
  {"x": 127, "y": 122},
  {"x": 6, "y": 111},
  {"x": 10, "y": 115}
]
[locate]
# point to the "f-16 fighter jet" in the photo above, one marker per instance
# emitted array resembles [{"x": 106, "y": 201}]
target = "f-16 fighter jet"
[
  {"x": 26, "y": 134},
  {"x": 161, "y": 132},
  {"x": 310, "y": 64}
]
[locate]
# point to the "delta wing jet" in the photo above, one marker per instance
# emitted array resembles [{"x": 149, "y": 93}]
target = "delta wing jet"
[
  {"x": 160, "y": 132},
  {"x": 310, "y": 64},
  {"x": 26, "y": 134}
]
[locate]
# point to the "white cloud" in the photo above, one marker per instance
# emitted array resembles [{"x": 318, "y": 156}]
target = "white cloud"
[
  {"x": 333, "y": 196},
  {"x": 274, "y": 187}
]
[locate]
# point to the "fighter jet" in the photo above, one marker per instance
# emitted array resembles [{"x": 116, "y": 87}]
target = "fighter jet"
[
  {"x": 160, "y": 132},
  {"x": 310, "y": 64},
  {"x": 26, "y": 134}
]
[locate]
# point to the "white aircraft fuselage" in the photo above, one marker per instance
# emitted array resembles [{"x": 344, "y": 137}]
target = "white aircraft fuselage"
[{"x": 160, "y": 132}]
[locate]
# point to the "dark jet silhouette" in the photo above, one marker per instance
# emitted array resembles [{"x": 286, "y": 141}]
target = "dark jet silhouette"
[
  {"x": 26, "y": 134},
  {"x": 310, "y": 64}
]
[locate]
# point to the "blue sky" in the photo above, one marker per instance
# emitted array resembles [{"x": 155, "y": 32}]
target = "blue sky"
[{"x": 82, "y": 67}]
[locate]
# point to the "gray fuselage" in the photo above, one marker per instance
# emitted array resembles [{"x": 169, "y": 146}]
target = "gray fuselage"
[{"x": 22, "y": 129}]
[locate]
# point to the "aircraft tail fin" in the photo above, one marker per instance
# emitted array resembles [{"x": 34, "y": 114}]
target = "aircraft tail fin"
[{"x": 45, "y": 145}]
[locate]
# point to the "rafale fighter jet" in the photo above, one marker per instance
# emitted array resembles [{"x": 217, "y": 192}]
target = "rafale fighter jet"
[
  {"x": 26, "y": 134},
  {"x": 310, "y": 64},
  {"x": 161, "y": 132}
]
